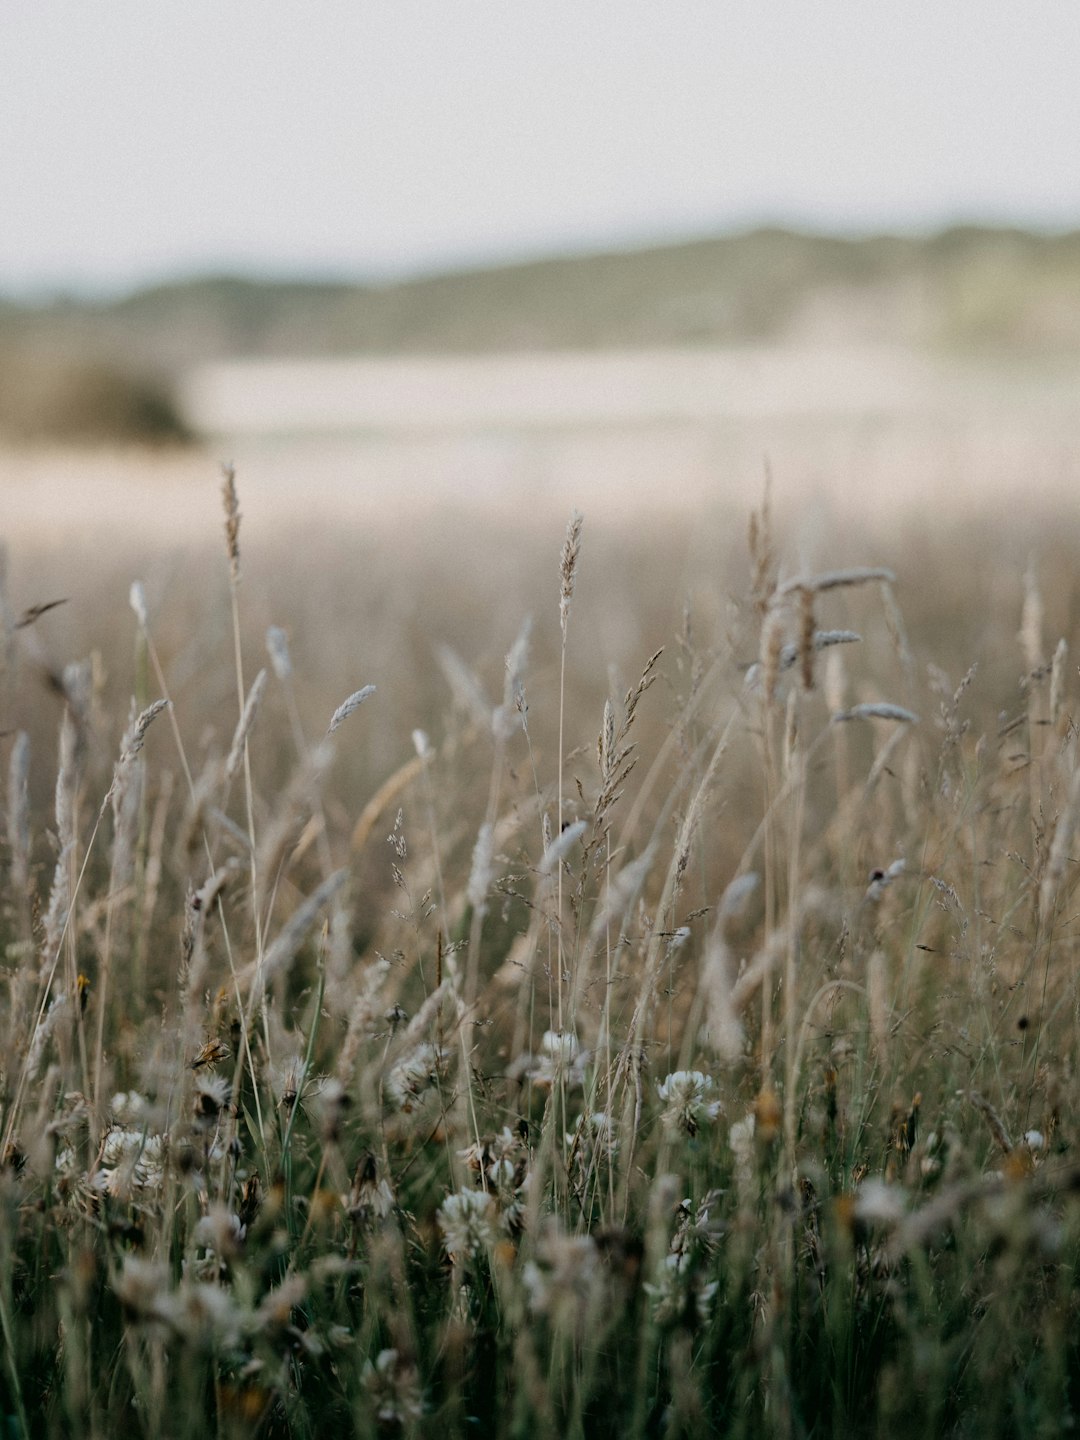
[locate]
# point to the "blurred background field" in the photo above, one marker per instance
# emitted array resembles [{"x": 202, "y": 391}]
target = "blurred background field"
[
  {"x": 408, "y": 455},
  {"x": 408, "y": 452}
]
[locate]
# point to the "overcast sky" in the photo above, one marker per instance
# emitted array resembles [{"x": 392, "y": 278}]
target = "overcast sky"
[{"x": 361, "y": 137}]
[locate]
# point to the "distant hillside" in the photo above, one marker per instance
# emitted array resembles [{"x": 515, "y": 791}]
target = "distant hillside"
[{"x": 964, "y": 288}]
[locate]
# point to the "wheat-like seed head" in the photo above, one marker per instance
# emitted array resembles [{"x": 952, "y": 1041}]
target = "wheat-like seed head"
[
  {"x": 571, "y": 552},
  {"x": 231, "y": 501}
]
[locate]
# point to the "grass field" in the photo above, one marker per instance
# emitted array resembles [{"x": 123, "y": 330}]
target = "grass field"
[{"x": 656, "y": 1019}]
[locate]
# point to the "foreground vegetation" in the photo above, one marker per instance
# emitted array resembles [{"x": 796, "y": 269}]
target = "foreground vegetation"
[{"x": 715, "y": 1077}]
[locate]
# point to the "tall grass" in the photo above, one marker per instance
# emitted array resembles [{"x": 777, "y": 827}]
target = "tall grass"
[{"x": 716, "y": 1077}]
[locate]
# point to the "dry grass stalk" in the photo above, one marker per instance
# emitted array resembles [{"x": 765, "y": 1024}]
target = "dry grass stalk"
[
  {"x": 772, "y": 650},
  {"x": 835, "y": 579},
  {"x": 388, "y": 792},
  {"x": 1057, "y": 686},
  {"x": 1031, "y": 622},
  {"x": 1059, "y": 857},
  {"x": 280, "y": 953},
  {"x": 877, "y": 710},
  {"x": 568, "y": 566},
  {"x": 277, "y": 647},
  {"x": 762, "y": 552},
  {"x": 807, "y": 634},
  {"x": 349, "y": 707},
  {"x": 231, "y": 502},
  {"x": 244, "y": 727},
  {"x": 993, "y": 1120},
  {"x": 18, "y": 820},
  {"x": 877, "y": 982}
]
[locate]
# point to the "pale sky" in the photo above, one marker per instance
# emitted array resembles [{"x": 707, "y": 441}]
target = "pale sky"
[{"x": 146, "y": 138}]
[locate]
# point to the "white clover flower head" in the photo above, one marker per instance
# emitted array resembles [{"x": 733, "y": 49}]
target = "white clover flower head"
[
  {"x": 688, "y": 1102},
  {"x": 66, "y": 1162},
  {"x": 130, "y": 1160},
  {"x": 497, "y": 1159},
  {"x": 469, "y": 1224},
  {"x": 562, "y": 1057},
  {"x": 393, "y": 1387},
  {"x": 142, "y": 1287},
  {"x": 414, "y": 1074},
  {"x": 206, "y": 1314},
  {"x": 563, "y": 1278},
  {"x": 879, "y": 1203},
  {"x": 127, "y": 1107},
  {"x": 560, "y": 1045},
  {"x": 220, "y": 1231},
  {"x": 596, "y": 1124}
]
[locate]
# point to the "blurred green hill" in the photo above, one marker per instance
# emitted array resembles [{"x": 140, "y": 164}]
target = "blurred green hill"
[{"x": 965, "y": 289}]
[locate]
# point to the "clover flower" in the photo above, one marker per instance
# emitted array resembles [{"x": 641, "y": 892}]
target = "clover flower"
[
  {"x": 394, "y": 1388},
  {"x": 687, "y": 1100},
  {"x": 562, "y": 1056},
  {"x": 468, "y": 1222},
  {"x": 414, "y": 1074},
  {"x": 130, "y": 1161},
  {"x": 221, "y": 1231},
  {"x": 563, "y": 1279}
]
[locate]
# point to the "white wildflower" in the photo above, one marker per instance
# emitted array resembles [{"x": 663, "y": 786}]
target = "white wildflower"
[
  {"x": 468, "y": 1222},
  {"x": 130, "y": 1160},
  {"x": 688, "y": 1102},
  {"x": 878, "y": 1203},
  {"x": 127, "y": 1107},
  {"x": 563, "y": 1278},
  {"x": 394, "y": 1388},
  {"x": 207, "y": 1314},
  {"x": 563, "y": 1057},
  {"x": 414, "y": 1074},
  {"x": 220, "y": 1230}
]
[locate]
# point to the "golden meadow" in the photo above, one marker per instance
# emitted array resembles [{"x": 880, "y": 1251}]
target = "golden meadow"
[{"x": 654, "y": 1017}]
